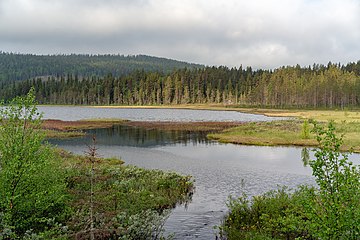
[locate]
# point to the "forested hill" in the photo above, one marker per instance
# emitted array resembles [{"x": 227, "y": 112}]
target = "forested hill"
[
  {"x": 26, "y": 66},
  {"x": 324, "y": 86}
]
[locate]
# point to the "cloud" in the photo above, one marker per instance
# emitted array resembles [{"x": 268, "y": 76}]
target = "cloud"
[{"x": 259, "y": 33}]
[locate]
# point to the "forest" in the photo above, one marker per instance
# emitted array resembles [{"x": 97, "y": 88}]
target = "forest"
[
  {"x": 317, "y": 86},
  {"x": 14, "y": 66},
  {"x": 143, "y": 80}
]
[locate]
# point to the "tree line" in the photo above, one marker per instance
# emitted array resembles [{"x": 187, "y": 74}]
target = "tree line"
[
  {"x": 16, "y": 66},
  {"x": 333, "y": 86},
  {"x": 48, "y": 193},
  {"x": 329, "y": 86}
]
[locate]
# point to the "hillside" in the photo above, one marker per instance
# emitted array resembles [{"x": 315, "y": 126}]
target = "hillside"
[
  {"x": 14, "y": 67},
  {"x": 145, "y": 80}
]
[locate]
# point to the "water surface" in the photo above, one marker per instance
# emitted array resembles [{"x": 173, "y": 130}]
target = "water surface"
[
  {"x": 134, "y": 114},
  {"x": 219, "y": 170}
]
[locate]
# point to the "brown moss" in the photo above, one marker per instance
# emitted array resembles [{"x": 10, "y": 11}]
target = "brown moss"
[
  {"x": 59, "y": 125},
  {"x": 68, "y": 129}
]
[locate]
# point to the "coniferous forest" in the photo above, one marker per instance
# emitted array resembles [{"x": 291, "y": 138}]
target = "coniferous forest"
[
  {"x": 14, "y": 67},
  {"x": 317, "y": 86}
]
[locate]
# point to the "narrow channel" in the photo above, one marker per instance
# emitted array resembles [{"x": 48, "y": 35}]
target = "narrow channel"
[{"x": 219, "y": 170}]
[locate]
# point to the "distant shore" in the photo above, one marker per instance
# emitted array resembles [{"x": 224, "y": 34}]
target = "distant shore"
[
  {"x": 319, "y": 115},
  {"x": 337, "y": 115},
  {"x": 68, "y": 129},
  {"x": 278, "y": 133}
]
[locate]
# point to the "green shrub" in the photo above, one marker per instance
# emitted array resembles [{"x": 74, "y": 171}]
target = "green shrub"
[
  {"x": 146, "y": 224},
  {"x": 32, "y": 186},
  {"x": 129, "y": 202},
  {"x": 329, "y": 211},
  {"x": 275, "y": 214},
  {"x": 305, "y": 131},
  {"x": 333, "y": 208}
]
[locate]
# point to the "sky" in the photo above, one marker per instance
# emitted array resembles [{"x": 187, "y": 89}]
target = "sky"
[{"x": 258, "y": 33}]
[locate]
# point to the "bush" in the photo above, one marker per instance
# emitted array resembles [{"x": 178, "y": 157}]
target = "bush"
[
  {"x": 330, "y": 211},
  {"x": 333, "y": 208},
  {"x": 305, "y": 130},
  {"x": 129, "y": 202},
  {"x": 275, "y": 214},
  {"x": 147, "y": 224},
  {"x": 32, "y": 188}
]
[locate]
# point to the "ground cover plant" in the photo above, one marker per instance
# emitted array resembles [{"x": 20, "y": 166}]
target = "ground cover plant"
[
  {"x": 32, "y": 186},
  {"x": 47, "y": 193},
  {"x": 328, "y": 211},
  {"x": 290, "y": 132},
  {"x": 121, "y": 195}
]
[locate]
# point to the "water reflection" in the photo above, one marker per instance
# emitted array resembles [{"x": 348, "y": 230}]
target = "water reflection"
[
  {"x": 305, "y": 156},
  {"x": 121, "y": 135},
  {"x": 219, "y": 170}
]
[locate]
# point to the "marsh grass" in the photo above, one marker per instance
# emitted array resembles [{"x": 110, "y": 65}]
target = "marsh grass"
[
  {"x": 328, "y": 211},
  {"x": 63, "y": 134},
  {"x": 285, "y": 133},
  {"x": 276, "y": 214},
  {"x": 120, "y": 192},
  {"x": 70, "y": 129},
  {"x": 60, "y": 125},
  {"x": 265, "y": 134}
]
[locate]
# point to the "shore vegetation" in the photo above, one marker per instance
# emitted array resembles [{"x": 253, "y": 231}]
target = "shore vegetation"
[
  {"x": 329, "y": 210},
  {"x": 47, "y": 193},
  {"x": 286, "y": 133}
]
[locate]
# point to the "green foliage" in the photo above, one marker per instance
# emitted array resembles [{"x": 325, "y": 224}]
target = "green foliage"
[
  {"x": 333, "y": 208},
  {"x": 329, "y": 86},
  {"x": 305, "y": 156},
  {"x": 143, "y": 80},
  {"x": 275, "y": 214},
  {"x": 305, "y": 131},
  {"x": 264, "y": 133},
  {"x": 32, "y": 189},
  {"x": 146, "y": 224},
  {"x": 25, "y": 66},
  {"x": 330, "y": 211},
  {"x": 128, "y": 201}
]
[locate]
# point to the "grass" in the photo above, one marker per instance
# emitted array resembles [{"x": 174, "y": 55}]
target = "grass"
[
  {"x": 328, "y": 211},
  {"x": 337, "y": 116},
  {"x": 276, "y": 214},
  {"x": 121, "y": 193},
  {"x": 285, "y": 133},
  {"x": 266, "y": 134},
  {"x": 63, "y": 134},
  {"x": 69, "y": 129}
]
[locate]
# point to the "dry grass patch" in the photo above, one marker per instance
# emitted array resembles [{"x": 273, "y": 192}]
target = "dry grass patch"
[{"x": 68, "y": 129}]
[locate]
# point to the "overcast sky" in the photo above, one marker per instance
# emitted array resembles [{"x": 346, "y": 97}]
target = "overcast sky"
[{"x": 257, "y": 33}]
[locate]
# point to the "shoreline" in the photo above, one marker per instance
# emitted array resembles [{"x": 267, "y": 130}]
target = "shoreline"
[
  {"x": 54, "y": 128},
  {"x": 69, "y": 129},
  {"x": 318, "y": 114},
  {"x": 280, "y": 133}
]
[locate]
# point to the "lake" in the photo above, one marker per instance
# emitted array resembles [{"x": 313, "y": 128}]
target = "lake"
[
  {"x": 136, "y": 114},
  {"x": 219, "y": 170}
]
